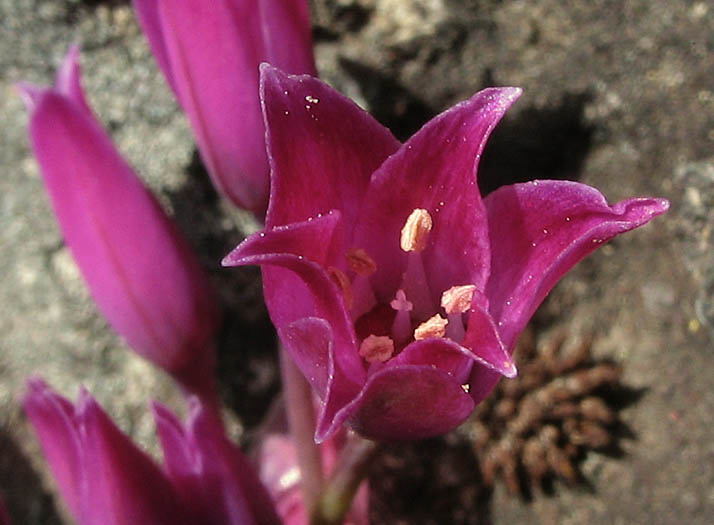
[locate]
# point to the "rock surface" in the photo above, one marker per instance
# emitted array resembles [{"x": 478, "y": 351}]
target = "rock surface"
[{"x": 618, "y": 94}]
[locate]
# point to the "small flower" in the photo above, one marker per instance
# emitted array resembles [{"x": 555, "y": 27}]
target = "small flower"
[
  {"x": 140, "y": 271},
  {"x": 105, "y": 479},
  {"x": 456, "y": 277},
  {"x": 209, "y": 52}
]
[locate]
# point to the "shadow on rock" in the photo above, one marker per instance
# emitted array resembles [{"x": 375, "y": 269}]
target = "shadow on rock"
[
  {"x": 390, "y": 103},
  {"x": 538, "y": 143},
  {"x": 21, "y": 487},
  {"x": 428, "y": 482}
]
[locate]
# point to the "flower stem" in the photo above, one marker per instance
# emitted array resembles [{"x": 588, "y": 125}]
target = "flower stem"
[
  {"x": 301, "y": 421},
  {"x": 352, "y": 467}
]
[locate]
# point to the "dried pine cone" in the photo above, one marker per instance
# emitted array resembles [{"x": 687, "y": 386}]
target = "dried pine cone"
[{"x": 537, "y": 426}]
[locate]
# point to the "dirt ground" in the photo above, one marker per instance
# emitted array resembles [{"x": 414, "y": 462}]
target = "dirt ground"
[{"x": 618, "y": 94}]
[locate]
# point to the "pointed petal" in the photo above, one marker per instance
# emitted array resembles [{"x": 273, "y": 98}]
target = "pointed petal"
[
  {"x": 410, "y": 402},
  {"x": 68, "y": 82},
  {"x": 52, "y": 417},
  {"x": 322, "y": 148},
  {"x": 123, "y": 485},
  {"x": 436, "y": 170},
  {"x": 139, "y": 269},
  {"x": 538, "y": 231},
  {"x": 483, "y": 340}
]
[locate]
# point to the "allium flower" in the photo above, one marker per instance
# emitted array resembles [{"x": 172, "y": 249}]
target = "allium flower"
[
  {"x": 140, "y": 271},
  {"x": 397, "y": 289},
  {"x": 209, "y": 52},
  {"x": 105, "y": 479}
]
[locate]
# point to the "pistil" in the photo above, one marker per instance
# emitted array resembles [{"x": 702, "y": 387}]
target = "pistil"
[{"x": 402, "y": 325}]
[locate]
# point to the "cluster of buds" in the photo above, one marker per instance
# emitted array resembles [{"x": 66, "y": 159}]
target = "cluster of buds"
[
  {"x": 541, "y": 423},
  {"x": 397, "y": 289}
]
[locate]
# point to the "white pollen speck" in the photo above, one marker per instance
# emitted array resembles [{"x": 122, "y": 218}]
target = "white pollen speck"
[
  {"x": 311, "y": 99},
  {"x": 545, "y": 231},
  {"x": 534, "y": 244},
  {"x": 262, "y": 234},
  {"x": 286, "y": 92},
  {"x": 287, "y": 112},
  {"x": 567, "y": 219},
  {"x": 308, "y": 106}
]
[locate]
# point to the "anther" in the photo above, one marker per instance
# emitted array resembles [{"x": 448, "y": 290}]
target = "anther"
[
  {"x": 457, "y": 299},
  {"x": 416, "y": 231},
  {"x": 343, "y": 283},
  {"x": 376, "y": 348},
  {"x": 360, "y": 261},
  {"x": 433, "y": 327}
]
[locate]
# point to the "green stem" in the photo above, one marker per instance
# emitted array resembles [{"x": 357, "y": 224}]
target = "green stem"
[
  {"x": 352, "y": 467},
  {"x": 301, "y": 420}
]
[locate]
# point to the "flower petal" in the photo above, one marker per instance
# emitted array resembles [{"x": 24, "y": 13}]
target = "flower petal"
[
  {"x": 147, "y": 11},
  {"x": 541, "y": 229},
  {"x": 52, "y": 416},
  {"x": 215, "y": 77},
  {"x": 483, "y": 340},
  {"x": 410, "y": 402},
  {"x": 435, "y": 170},
  {"x": 210, "y": 471},
  {"x": 322, "y": 148}
]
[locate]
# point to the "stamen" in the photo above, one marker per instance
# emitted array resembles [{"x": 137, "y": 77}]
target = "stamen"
[
  {"x": 360, "y": 261},
  {"x": 416, "y": 231},
  {"x": 343, "y": 283},
  {"x": 363, "y": 265},
  {"x": 402, "y": 325},
  {"x": 433, "y": 327},
  {"x": 376, "y": 348},
  {"x": 457, "y": 299}
]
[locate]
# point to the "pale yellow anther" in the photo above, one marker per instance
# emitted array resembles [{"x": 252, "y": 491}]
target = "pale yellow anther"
[
  {"x": 432, "y": 327},
  {"x": 343, "y": 282},
  {"x": 360, "y": 262},
  {"x": 416, "y": 231},
  {"x": 376, "y": 348},
  {"x": 457, "y": 299}
]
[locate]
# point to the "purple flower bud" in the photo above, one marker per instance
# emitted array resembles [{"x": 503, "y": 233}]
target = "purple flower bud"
[
  {"x": 105, "y": 479},
  {"x": 396, "y": 288},
  {"x": 210, "y": 53},
  {"x": 140, "y": 271}
]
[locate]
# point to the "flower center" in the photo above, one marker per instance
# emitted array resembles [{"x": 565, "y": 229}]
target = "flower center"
[{"x": 385, "y": 329}]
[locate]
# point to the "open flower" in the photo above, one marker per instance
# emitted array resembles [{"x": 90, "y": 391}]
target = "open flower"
[
  {"x": 209, "y": 52},
  {"x": 105, "y": 479},
  {"x": 140, "y": 270},
  {"x": 397, "y": 289}
]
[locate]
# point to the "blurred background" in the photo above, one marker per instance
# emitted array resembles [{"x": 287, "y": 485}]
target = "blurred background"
[{"x": 618, "y": 94}]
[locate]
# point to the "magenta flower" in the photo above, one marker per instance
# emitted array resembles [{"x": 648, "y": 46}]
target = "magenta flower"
[
  {"x": 105, "y": 479},
  {"x": 209, "y": 52},
  {"x": 397, "y": 289},
  {"x": 140, "y": 271}
]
